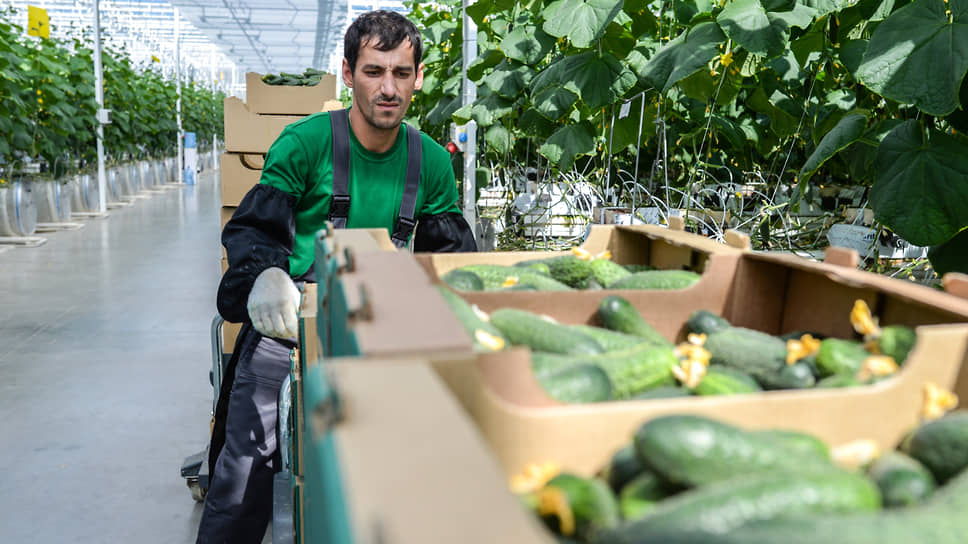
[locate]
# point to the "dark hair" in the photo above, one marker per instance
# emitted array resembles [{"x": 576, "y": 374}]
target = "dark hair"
[{"x": 386, "y": 30}]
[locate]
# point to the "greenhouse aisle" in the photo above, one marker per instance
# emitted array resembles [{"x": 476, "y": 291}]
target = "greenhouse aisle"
[{"x": 104, "y": 359}]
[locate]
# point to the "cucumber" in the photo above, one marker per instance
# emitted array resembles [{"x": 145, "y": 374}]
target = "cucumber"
[
  {"x": 535, "y": 266},
  {"x": 705, "y": 322},
  {"x": 568, "y": 269},
  {"x": 722, "y": 380},
  {"x": 572, "y": 505},
  {"x": 839, "y": 356},
  {"x": 610, "y": 340},
  {"x": 494, "y": 276},
  {"x": 641, "y": 495},
  {"x": 486, "y": 336},
  {"x": 799, "y": 375},
  {"x": 523, "y": 328},
  {"x": 838, "y": 380},
  {"x": 896, "y": 341},
  {"x": 693, "y": 450},
  {"x": 662, "y": 392},
  {"x": 607, "y": 272},
  {"x": 618, "y": 314},
  {"x": 633, "y": 268},
  {"x": 577, "y": 384},
  {"x": 631, "y": 371},
  {"x": 656, "y": 279},
  {"x": 463, "y": 280},
  {"x": 903, "y": 481},
  {"x": 623, "y": 468},
  {"x": 942, "y": 445},
  {"x": 801, "y": 442},
  {"x": 939, "y": 520},
  {"x": 756, "y": 353},
  {"x": 724, "y": 506}
]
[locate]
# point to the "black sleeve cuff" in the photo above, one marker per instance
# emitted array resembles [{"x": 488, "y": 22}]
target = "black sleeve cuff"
[{"x": 444, "y": 233}]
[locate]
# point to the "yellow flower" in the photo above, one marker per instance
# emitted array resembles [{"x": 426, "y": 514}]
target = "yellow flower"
[
  {"x": 862, "y": 320},
  {"x": 806, "y": 346},
  {"x": 38, "y": 92},
  {"x": 726, "y": 59},
  {"x": 40, "y": 100},
  {"x": 936, "y": 401}
]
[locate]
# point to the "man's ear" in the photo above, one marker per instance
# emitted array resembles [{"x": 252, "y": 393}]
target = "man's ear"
[
  {"x": 347, "y": 74},
  {"x": 419, "y": 82}
]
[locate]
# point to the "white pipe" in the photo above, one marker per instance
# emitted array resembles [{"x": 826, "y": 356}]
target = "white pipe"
[
  {"x": 180, "y": 136},
  {"x": 99, "y": 97},
  {"x": 468, "y": 96}
]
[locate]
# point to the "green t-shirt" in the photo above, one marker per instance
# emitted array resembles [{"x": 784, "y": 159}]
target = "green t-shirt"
[{"x": 300, "y": 163}]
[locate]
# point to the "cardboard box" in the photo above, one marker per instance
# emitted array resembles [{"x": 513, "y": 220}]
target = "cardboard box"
[
  {"x": 411, "y": 466},
  {"x": 399, "y": 315},
  {"x": 288, "y": 100},
  {"x": 250, "y": 132},
  {"x": 239, "y": 173}
]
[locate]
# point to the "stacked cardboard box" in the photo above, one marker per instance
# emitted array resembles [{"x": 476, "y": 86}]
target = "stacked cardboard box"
[{"x": 250, "y": 128}]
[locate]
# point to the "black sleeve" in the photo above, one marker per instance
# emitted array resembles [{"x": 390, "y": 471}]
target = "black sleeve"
[
  {"x": 259, "y": 235},
  {"x": 443, "y": 233}
]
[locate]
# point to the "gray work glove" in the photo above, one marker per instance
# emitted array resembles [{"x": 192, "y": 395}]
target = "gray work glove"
[{"x": 274, "y": 304}]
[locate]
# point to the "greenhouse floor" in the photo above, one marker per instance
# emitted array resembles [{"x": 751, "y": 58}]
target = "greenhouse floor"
[{"x": 104, "y": 357}]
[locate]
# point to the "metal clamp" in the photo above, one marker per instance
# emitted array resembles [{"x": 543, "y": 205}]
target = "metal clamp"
[{"x": 285, "y": 418}]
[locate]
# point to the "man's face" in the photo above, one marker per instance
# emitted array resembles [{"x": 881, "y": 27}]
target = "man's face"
[{"x": 384, "y": 83}]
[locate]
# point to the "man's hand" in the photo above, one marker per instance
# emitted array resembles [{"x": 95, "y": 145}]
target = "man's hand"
[{"x": 273, "y": 304}]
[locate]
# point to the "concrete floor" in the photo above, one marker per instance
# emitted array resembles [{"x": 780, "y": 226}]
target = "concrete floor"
[{"x": 104, "y": 360}]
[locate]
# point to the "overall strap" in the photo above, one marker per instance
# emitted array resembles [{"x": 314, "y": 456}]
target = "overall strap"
[
  {"x": 339, "y": 207},
  {"x": 408, "y": 203}
]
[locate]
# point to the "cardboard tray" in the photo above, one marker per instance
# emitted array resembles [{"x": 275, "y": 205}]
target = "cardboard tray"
[
  {"x": 250, "y": 132},
  {"x": 288, "y": 100},
  {"x": 404, "y": 316},
  {"x": 238, "y": 173}
]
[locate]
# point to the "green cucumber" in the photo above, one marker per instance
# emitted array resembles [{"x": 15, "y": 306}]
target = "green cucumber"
[
  {"x": 722, "y": 380},
  {"x": 939, "y": 520},
  {"x": 623, "y": 468},
  {"x": 839, "y": 356},
  {"x": 618, "y": 314},
  {"x": 662, "y": 392},
  {"x": 523, "y": 328},
  {"x": 610, "y": 340},
  {"x": 486, "y": 336},
  {"x": 631, "y": 370},
  {"x": 896, "y": 341},
  {"x": 693, "y": 450},
  {"x": 799, "y": 375},
  {"x": 633, "y": 268},
  {"x": 656, "y": 279},
  {"x": 572, "y": 505},
  {"x": 494, "y": 276},
  {"x": 607, "y": 272},
  {"x": 903, "y": 480},
  {"x": 756, "y": 353},
  {"x": 705, "y": 322},
  {"x": 837, "y": 381},
  {"x": 577, "y": 384},
  {"x": 536, "y": 266},
  {"x": 942, "y": 445},
  {"x": 798, "y": 441},
  {"x": 641, "y": 495},
  {"x": 724, "y": 506},
  {"x": 463, "y": 280},
  {"x": 543, "y": 363}
]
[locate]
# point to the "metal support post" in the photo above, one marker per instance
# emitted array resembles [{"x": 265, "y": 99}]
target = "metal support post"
[
  {"x": 469, "y": 95},
  {"x": 181, "y": 134},
  {"x": 101, "y": 116}
]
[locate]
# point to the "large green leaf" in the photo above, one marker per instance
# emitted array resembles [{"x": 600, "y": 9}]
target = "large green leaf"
[
  {"x": 951, "y": 256},
  {"x": 568, "y": 143},
  {"x": 860, "y": 156},
  {"x": 442, "y": 111},
  {"x": 550, "y": 76},
  {"x": 484, "y": 110},
  {"x": 509, "y": 78},
  {"x": 823, "y": 7},
  {"x": 920, "y": 190},
  {"x": 852, "y": 54},
  {"x": 689, "y": 52},
  {"x": 846, "y": 132},
  {"x": 800, "y": 16},
  {"x": 532, "y": 123},
  {"x": 626, "y": 130},
  {"x": 782, "y": 123},
  {"x": 599, "y": 80},
  {"x": 699, "y": 85},
  {"x": 440, "y": 31},
  {"x": 638, "y": 58},
  {"x": 581, "y": 21},
  {"x": 618, "y": 40},
  {"x": 686, "y": 10},
  {"x": 527, "y": 44},
  {"x": 643, "y": 20},
  {"x": 749, "y": 25},
  {"x": 917, "y": 56},
  {"x": 499, "y": 138},
  {"x": 488, "y": 59},
  {"x": 554, "y": 102},
  {"x": 810, "y": 46}
]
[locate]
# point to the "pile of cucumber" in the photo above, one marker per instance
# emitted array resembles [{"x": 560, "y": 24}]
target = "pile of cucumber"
[
  {"x": 625, "y": 358},
  {"x": 564, "y": 273},
  {"x": 306, "y": 79},
  {"x": 686, "y": 479}
]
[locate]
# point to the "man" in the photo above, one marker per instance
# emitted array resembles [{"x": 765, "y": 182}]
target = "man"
[{"x": 269, "y": 245}]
